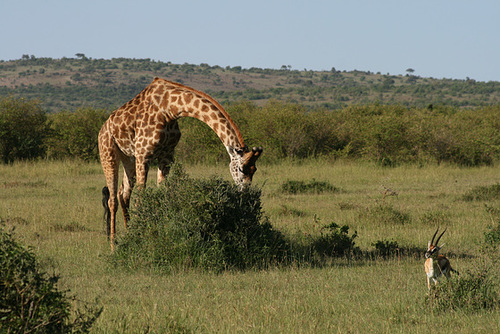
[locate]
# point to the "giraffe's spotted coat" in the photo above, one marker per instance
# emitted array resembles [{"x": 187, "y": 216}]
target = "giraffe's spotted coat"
[{"x": 146, "y": 129}]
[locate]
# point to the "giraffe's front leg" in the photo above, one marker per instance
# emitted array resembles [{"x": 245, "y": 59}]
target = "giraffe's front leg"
[
  {"x": 164, "y": 167},
  {"x": 141, "y": 169},
  {"x": 166, "y": 155},
  {"x": 126, "y": 188}
]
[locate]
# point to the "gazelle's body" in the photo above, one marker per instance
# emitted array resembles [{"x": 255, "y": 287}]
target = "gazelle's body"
[{"x": 436, "y": 265}]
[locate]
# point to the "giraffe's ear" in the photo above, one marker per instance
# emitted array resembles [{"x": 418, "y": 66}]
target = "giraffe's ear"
[
  {"x": 234, "y": 152},
  {"x": 252, "y": 156}
]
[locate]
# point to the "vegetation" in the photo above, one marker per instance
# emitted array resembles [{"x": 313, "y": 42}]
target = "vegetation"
[
  {"x": 23, "y": 128},
  {"x": 200, "y": 256},
  {"x": 71, "y": 83},
  {"x": 203, "y": 223},
  {"x": 55, "y": 209},
  {"x": 29, "y": 299},
  {"x": 388, "y": 135}
]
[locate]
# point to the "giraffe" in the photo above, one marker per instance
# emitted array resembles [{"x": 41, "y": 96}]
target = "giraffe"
[{"x": 146, "y": 129}]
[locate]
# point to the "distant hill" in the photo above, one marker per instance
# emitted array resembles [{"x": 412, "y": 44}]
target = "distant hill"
[{"x": 69, "y": 83}]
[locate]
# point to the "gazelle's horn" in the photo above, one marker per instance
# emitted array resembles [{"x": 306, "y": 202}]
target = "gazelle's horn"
[
  {"x": 437, "y": 241},
  {"x": 432, "y": 241}
]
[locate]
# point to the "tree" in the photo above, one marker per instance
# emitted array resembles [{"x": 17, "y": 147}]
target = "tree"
[
  {"x": 23, "y": 127},
  {"x": 74, "y": 134},
  {"x": 410, "y": 70}
]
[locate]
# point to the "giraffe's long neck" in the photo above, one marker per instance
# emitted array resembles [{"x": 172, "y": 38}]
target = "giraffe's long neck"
[{"x": 176, "y": 101}]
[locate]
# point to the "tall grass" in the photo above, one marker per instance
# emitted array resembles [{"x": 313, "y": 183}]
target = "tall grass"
[{"x": 56, "y": 209}]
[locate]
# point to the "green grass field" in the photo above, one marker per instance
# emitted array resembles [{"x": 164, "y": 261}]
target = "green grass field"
[{"x": 56, "y": 209}]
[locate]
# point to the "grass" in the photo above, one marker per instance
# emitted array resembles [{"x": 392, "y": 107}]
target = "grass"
[{"x": 55, "y": 208}]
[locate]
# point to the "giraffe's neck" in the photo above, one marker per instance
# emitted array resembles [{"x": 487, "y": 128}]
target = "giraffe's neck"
[{"x": 175, "y": 101}]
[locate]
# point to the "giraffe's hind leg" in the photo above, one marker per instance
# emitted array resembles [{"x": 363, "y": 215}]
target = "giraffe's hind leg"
[
  {"x": 126, "y": 188},
  {"x": 110, "y": 167}
]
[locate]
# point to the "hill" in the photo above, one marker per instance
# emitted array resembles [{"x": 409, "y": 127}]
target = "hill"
[{"x": 69, "y": 83}]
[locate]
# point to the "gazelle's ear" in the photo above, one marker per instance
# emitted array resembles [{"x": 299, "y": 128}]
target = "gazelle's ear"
[
  {"x": 429, "y": 244},
  {"x": 441, "y": 246}
]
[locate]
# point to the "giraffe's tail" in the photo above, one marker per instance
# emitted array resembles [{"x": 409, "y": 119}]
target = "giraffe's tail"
[{"x": 107, "y": 212}]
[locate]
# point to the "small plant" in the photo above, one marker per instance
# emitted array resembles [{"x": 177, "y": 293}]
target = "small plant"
[
  {"x": 434, "y": 218},
  {"x": 302, "y": 187},
  {"x": 386, "y": 248},
  {"x": 483, "y": 193},
  {"x": 386, "y": 214},
  {"x": 334, "y": 241},
  {"x": 472, "y": 291},
  {"x": 29, "y": 299},
  {"x": 492, "y": 236},
  {"x": 285, "y": 210}
]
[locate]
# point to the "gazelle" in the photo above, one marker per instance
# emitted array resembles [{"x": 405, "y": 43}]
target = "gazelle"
[{"x": 436, "y": 264}]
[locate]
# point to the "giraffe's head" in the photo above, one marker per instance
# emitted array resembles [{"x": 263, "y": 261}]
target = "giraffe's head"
[{"x": 242, "y": 165}]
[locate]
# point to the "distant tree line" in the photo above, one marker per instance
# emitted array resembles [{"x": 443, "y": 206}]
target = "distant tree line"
[
  {"x": 387, "y": 134},
  {"x": 67, "y": 83}
]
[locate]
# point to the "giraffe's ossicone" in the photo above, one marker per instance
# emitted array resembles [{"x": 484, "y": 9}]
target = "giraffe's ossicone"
[{"x": 145, "y": 129}]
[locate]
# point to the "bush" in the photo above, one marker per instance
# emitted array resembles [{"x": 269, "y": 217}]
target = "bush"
[
  {"x": 22, "y": 129},
  {"x": 334, "y": 241},
  {"x": 386, "y": 214},
  {"x": 75, "y": 134},
  {"x": 386, "y": 248},
  {"x": 472, "y": 291},
  {"x": 483, "y": 193},
  {"x": 492, "y": 236},
  {"x": 29, "y": 299},
  {"x": 301, "y": 187},
  {"x": 203, "y": 223}
]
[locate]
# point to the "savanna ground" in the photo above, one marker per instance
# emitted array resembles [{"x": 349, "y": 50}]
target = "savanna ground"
[{"x": 56, "y": 209}]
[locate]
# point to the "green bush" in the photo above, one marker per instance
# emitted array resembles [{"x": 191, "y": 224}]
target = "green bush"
[
  {"x": 386, "y": 248},
  {"x": 202, "y": 223},
  {"x": 302, "y": 187},
  {"x": 475, "y": 290},
  {"x": 334, "y": 241},
  {"x": 483, "y": 193},
  {"x": 23, "y": 127},
  {"x": 75, "y": 134},
  {"x": 385, "y": 214},
  {"x": 492, "y": 236},
  {"x": 29, "y": 299}
]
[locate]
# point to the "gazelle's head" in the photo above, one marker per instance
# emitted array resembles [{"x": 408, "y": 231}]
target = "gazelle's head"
[
  {"x": 432, "y": 247},
  {"x": 242, "y": 165}
]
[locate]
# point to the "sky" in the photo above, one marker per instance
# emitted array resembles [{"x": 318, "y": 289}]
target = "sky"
[{"x": 455, "y": 39}]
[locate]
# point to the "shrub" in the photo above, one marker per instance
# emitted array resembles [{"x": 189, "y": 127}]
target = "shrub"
[
  {"x": 386, "y": 214},
  {"x": 75, "y": 134},
  {"x": 301, "y": 187},
  {"x": 22, "y": 129},
  {"x": 492, "y": 236},
  {"x": 483, "y": 193},
  {"x": 434, "y": 218},
  {"x": 334, "y": 241},
  {"x": 204, "y": 223},
  {"x": 29, "y": 299},
  {"x": 386, "y": 248},
  {"x": 472, "y": 291}
]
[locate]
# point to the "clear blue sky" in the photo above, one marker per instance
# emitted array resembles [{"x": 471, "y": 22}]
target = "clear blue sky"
[{"x": 440, "y": 38}]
